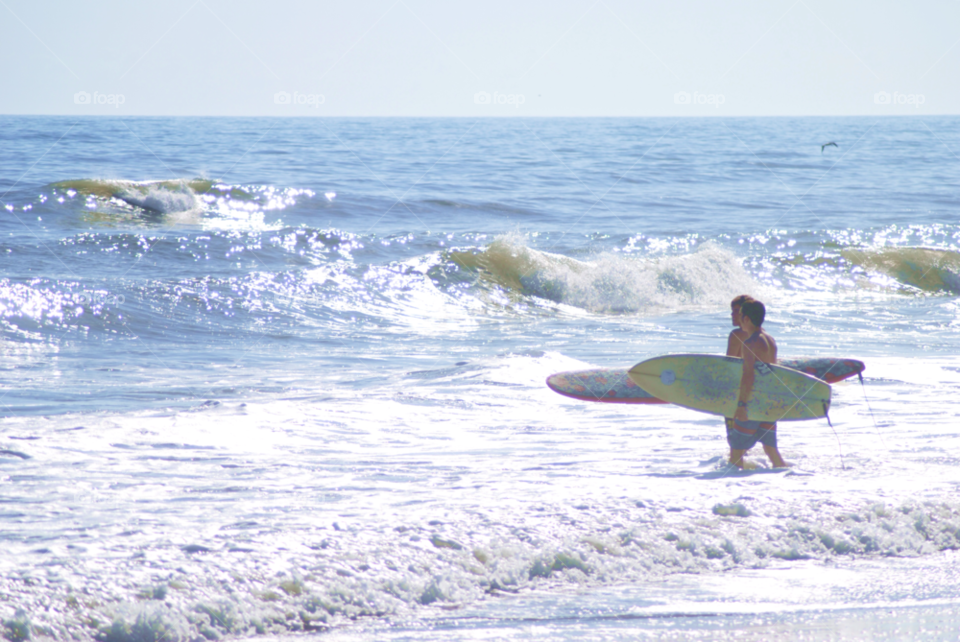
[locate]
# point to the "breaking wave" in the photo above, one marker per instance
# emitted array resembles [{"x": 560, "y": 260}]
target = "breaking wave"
[
  {"x": 611, "y": 282},
  {"x": 927, "y": 269}
]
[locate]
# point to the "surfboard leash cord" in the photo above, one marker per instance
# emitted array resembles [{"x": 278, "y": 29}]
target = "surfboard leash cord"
[
  {"x": 875, "y": 426},
  {"x": 826, "y": 413}
]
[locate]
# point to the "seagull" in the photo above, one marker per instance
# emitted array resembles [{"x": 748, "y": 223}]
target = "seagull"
[{"x": 825, "y": 145}]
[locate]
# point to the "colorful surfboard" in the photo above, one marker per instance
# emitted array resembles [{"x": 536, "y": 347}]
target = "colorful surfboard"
[
  {"x": 613, "y": 385},
  {"x": 711, "y": 383}
]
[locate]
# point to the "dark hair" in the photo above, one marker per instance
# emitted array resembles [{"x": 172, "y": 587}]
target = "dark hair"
[
  {"x": 755, "y": 311},
  {"x": 740, "y": 299}
]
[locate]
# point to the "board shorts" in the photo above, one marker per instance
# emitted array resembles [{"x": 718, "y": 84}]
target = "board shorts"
[{"x": 744, "y": 435}]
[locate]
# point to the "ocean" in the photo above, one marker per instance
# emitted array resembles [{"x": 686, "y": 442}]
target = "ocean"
[{"x": 265, "y": 378}]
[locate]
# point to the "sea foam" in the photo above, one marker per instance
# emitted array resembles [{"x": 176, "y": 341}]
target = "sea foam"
[
  {"x": 613, "y": 282},
  {"x": 162, "y": 199}
]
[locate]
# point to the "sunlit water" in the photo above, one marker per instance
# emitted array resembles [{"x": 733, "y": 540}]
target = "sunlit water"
[{"x": 268, "y": 376}]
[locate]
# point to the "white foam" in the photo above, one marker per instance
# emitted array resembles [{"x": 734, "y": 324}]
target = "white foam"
[
  {"x": 162, "y": 199},
  {"x": 612, "y": 282}
]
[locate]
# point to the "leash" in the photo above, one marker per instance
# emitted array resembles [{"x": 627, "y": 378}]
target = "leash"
[
  {"x": 839, "y": 445},
  {"x": 875, "y": 426}
]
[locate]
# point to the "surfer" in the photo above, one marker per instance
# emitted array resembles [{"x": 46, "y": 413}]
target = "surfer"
[
  {"x": 738, "y": 334},
  {"x": 757, "y": 350}
]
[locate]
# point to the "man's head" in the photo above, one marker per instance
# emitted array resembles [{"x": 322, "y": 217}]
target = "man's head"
[
  {"x": 754, "y": 311},
  {"x": 736, "y": 305}
]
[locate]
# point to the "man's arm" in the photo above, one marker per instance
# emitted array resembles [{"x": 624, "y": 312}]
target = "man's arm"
[{"x": 746, "y": 384}]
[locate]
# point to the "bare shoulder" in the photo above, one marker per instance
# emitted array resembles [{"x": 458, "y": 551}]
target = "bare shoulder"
[
  {"x": 770, "y": 340},
  {"x": 768, "y": 345},
  {"x": 761, "y": 347},
  {"x": 735, "y": 342},
  {"x": 738, "y": 337}
]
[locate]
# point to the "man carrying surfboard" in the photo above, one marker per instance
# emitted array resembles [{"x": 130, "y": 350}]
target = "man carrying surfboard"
[
  {"x": 758, "y": 349},
  {"x": 738, "y": 334}
]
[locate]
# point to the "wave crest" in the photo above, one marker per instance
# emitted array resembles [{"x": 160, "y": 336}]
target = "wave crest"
[
  {"x": 930, "y": 270},
  {"x": 612, "y": 282},
  {"x": 162, "y": 197}
]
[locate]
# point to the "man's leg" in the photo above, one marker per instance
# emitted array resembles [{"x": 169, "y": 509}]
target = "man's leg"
[
  {"x": 741, "y": 441},
  {"x": 775, "y": 457},
  {"x": 736, "y": 457},
  {"x": 768, "y": 439}
]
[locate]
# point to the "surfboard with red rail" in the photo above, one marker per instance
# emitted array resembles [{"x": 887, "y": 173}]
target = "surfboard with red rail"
[{"x": 613, "y": 385}]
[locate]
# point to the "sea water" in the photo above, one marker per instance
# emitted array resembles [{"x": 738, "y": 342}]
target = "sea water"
[{"x": 271, "y": 376}]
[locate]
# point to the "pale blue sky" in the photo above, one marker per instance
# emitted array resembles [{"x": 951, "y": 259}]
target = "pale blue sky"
[{"x": 489, "y": 58}]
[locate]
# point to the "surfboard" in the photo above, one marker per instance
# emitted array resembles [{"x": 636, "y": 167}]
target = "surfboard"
[
  {"x": 610, "y": 385},
  {"x": 711, "y": 383},
  {"x": 613, "y": 385}
]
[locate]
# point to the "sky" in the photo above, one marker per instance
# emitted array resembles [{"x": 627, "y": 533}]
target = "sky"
[{"x": 463, "y": 58}]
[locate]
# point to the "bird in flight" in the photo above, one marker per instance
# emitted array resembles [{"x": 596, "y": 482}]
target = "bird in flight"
[{"x": 825, "y": 145}]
